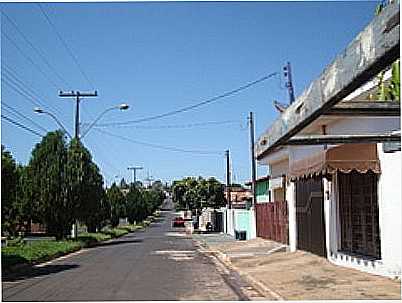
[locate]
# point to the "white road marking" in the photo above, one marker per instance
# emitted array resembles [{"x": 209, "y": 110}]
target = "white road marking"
[
  {"x": 62, "y": 258},
  {"x": 177, "y": 255}
]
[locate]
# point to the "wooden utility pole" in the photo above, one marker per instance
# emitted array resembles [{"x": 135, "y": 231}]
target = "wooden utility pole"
[
  {"x": 287, "y": 72},
  {"x": 228, "y": 179},
  {"x": 253, "y": 166},
  {"x": 77, "y": 96},
  {"x": 134, "y": 169}
]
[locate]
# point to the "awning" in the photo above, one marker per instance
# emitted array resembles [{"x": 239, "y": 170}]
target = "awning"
[{"x": 345, "y": 158}]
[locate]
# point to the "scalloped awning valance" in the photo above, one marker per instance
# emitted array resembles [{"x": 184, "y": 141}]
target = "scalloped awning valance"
[{"x": 345, "y": 158}]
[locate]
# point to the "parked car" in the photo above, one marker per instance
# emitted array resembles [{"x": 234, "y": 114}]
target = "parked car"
[{"x": 178, "y": 222}]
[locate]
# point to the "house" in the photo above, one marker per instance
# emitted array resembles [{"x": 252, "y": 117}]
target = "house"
[{"x": 334, "y": 156}]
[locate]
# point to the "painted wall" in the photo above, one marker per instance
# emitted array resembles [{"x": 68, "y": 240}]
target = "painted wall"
[
  {"x": 389, "y": 197},
  {"x": 240, "y": 220},
  {"x": 262, "y": 188}
]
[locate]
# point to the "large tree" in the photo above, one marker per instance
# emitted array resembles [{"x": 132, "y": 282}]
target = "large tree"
[
  {"x": 47, "y": 174},
  {"x": 117, "y": 203},
  {"x": 84, "y": 186}
]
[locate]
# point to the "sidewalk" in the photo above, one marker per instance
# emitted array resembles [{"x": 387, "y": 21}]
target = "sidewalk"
[{"x": 299, "y": 275}]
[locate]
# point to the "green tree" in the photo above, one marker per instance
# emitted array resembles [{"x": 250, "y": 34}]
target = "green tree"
[
  {"x": 84, "y": 186},
  {"x": 47, "y": 176},
  {"x": 9, "y": 179},
  {"x": 136, "y": 209},
  {"x": 117, "y": 204}
]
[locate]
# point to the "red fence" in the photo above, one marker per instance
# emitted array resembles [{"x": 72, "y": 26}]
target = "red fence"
[{"x": 272, "y": 221}]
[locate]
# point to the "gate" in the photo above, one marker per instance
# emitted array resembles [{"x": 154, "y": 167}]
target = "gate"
[
  {"x": 272, "y": 221},
  {"x": 310, "y": 216}
]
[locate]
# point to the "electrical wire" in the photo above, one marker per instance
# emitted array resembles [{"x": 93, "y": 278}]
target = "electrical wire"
[
  {"x": 21, "y": 91},
  {"x": 29, "y": 59},
  {"x": 68, "y": 49},
  {"x": 20, "y": 125},
  {"x": 38, "y": 52},
  {"x": 160, "y": 146},
  {"x": 175, "y": 126},
  {"x": 26, "y": 89},
  {"x": 16, "y": 112},
  {"x": 187, "y": 108}
]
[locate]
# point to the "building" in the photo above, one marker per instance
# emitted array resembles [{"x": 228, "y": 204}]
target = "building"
[{"x": 336, "y": 161}]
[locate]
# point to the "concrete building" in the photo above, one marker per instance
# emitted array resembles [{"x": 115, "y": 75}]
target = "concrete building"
[{"x": 334, "y": 156}]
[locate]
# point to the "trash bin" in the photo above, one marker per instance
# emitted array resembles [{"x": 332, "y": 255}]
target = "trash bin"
[{"x": 240, "y": 235}]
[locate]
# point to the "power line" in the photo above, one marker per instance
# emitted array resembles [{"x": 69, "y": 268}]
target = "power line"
[
  {"x": 187, "y": 108},
  {"x": 16, "y": 112},
  {"x": 29, "y": 59},
  {"x": 160, "y": 146},
  {"x": 173, "y": 126},
  {"x": 21, "y": 126},
  {"x": 25, "y": 93},
  {"x": 40, "y": 54},
  {"x": 65, "y": 45}
]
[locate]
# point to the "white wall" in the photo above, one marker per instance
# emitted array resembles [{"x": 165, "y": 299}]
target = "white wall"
[
  {"x": 279, "y": 168},
  {"x": 363, "y": 125},
  {"x": 389, "y": 205},
  {"x": 291, "y": 199},
  {"x": 389, "y": 199}
]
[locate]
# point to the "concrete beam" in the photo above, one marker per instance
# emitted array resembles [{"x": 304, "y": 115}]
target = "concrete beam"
[
  {"x": 372, "y": 50},
  {"x": 344, "y": 139}
]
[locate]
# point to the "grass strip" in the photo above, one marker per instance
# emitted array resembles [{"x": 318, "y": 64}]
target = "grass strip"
[{"x": 37, "y": 251}]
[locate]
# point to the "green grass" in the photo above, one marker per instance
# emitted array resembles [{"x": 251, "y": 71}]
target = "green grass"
[
  {"x": 131, "y": 227},
  {"x": 114, "y": 232},
  {"x": 37, "y": 251},
  {"x": 89, "y": 239},
  {"x": 18, "y": 252}
]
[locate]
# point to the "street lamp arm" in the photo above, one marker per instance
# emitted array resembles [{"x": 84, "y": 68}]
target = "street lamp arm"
[
  {"x": 96, "y": 120},
  {"x": 121, "y": 107},
  {"x": 41, "y": 111}
]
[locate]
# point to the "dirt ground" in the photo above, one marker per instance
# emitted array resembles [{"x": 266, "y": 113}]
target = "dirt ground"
[{"x": 305, "y": 276}]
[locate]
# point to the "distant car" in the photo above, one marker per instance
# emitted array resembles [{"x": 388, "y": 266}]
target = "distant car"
[{"x": 178, "y": 222}]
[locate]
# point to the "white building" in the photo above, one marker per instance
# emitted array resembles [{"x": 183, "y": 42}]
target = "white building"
[{"x": 342, "y": 172}]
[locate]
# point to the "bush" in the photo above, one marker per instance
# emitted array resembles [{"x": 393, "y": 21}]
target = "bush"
[
  {"x": 114, "y": 232},
  {"x": 88, "y": 239}
]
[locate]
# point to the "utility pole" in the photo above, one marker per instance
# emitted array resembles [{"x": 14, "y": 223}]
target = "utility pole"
[
  {"x": 253, "y": 168},
  {"x": 134, "y": 169},
  {"x": 287, "y": 72},
  {"x": 77, "y": 96},
  {"x": 228, "y": 179}
]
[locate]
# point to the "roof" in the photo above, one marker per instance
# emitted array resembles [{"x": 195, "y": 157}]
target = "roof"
[
  {"x": 372, "y": 50},
  {"x": 260, "y": 179}
]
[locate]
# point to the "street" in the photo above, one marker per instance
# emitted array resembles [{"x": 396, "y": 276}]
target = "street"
[{"x": 160, "y": 263}]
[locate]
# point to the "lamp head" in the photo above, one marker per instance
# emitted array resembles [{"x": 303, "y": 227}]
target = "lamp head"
[
  {"x": 38, "y": 110},
  {"x": 123, "y": 106}
]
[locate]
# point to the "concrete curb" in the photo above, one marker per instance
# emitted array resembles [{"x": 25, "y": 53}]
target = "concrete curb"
[
  {"x": 257, "y": 284},
  {"x": 262, "y": 288}
]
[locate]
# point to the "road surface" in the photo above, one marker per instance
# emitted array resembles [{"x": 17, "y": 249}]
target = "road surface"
[{"x": 160, "y": 263}]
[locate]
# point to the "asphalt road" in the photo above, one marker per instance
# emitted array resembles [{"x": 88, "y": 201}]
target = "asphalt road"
[{"x": 159, "y": 263}]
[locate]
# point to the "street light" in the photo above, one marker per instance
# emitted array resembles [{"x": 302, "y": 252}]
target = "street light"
[
  {"x": 122, "y": 106},
  {"x": 42, "y": 111}
]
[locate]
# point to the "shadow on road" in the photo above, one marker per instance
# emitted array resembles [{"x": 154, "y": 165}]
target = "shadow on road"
[
  {"x": 118, "y": 242},
  {"x": 37, "y": 271}
]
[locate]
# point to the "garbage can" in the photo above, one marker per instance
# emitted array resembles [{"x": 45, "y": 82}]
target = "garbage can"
[{"x": 240, "y": 235}]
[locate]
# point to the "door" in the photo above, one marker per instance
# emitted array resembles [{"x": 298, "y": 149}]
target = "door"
[
  {"x": 310, "y": 216},
  {"x": 358, "y": 212}
]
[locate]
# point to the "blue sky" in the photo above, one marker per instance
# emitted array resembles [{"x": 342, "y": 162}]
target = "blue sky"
[{"x": 158, "y": 57}]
